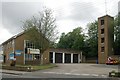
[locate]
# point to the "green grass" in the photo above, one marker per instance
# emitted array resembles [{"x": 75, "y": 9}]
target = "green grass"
[
  {"x": 114, "y": 74},
  {"x": 41, "y": 67}
]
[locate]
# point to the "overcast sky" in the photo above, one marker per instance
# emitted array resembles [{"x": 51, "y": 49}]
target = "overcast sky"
[{"x": 69, "y": 13}]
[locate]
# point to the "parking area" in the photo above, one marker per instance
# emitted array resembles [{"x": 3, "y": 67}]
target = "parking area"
[{"x": 82, "y": 68}]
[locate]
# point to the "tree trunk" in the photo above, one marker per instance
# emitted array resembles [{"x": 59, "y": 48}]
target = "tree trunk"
[{"x": 41, "y": 58}]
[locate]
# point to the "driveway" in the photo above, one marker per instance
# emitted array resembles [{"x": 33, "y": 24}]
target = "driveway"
[{"x": 82, "y": 69}]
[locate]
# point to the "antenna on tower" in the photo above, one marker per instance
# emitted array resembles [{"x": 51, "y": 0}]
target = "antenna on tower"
[{"x": 106, "y": 7}]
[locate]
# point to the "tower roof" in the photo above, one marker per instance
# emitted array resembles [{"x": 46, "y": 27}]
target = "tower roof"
[{"x": 105, "y": 16}]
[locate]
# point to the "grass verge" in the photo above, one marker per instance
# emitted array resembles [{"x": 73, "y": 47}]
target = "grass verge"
[
  {"x": 41, "y": 67},
  {"x": 114, "y": 74},
  {"x": 29, "y": 68}
]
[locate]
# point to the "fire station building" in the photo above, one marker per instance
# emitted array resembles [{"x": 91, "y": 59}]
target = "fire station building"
[{"x": 25, "y": 53}]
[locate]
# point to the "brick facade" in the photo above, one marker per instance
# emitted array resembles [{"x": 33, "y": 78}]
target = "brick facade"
[
  {"x": 105, "y": 38},
  {"x": 17, "y": 43}
]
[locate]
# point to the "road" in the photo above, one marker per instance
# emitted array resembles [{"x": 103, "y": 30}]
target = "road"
[
  {"x": 18, "y": 76},
  {"x": 95, "y": 70},
  {"x": 52, "y": 77},
  {"x": 69, "y": 71},
  {"x": 48, "y": 76}
]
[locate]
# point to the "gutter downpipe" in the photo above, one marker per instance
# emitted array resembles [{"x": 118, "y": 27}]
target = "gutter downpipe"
[{"x": 24, "y": 51}]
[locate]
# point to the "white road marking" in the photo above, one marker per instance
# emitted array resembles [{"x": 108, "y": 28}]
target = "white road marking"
[
  {"x": 67, "y": 73},
  {"x": 94, "y": 74},
  {"x": 85, "y": 74},
  {"x": 13, "y": 75},
  {"x": 76, "y": 74},
  {"x": 104, "y": 75},
  {"x": 49, "y": 72}
]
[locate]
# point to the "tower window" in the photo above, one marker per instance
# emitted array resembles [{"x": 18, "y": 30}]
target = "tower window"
[
  {"x": 102, "y": 22},
  {"x": 102, "y": 40},
  {"x": 102, "y": 49},
  {"x": 102, "y": 31}
]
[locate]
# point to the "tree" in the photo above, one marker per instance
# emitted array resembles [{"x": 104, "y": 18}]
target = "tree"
[
  {"x": 72, "y": 40},
  {"x": 44, "y": 23},
  {"x": 62, "y": 42},
  {"x": 41, "y": 29},
  {"x": 117, "y": 34},
  {"x": 92, "y": 39}
]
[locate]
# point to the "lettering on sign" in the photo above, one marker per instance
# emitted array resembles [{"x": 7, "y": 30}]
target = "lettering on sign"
[{"x": 33, "y": 51}]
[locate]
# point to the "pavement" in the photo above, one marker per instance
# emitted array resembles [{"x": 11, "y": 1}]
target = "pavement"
[
  {"x": 13, "y": 72},
  {"x": 85, "y": 69},
  {"x": 70, "y": 70}
]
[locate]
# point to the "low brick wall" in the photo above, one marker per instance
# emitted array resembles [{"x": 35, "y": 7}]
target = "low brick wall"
[
  {"x": 18, "y": 68},
  {"x": 91, "y": 60},
  {"x": 33, "y": 62}
]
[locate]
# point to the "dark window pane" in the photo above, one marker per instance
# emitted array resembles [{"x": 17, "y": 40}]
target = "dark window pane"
[
  {"x": 102, "y": 22},
  {"x": 102, "y": 49},
  {"x": 102, "y": 40},
  {"x": 102, "y": 31}
]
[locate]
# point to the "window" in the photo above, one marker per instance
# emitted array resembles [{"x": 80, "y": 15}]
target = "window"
[
  {"x": 102, "y": 40},
  {"x": 102, "y": 31},
  {"x": 7, "y": 45},
  {"x": 10, "y": 44},
  {"x": 28, "y": 56},
  {"x": 102, "y": 49},
  {"x": 32, "y": 57},
  {"x": 36, "y": 57},
  {"x": 3, "y": 48},
  {"x": 102, "y": 22},
  {"x": 29, "y": 44}
]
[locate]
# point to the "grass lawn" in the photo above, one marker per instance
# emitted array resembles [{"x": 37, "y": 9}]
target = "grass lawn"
[{"x": 41, "y": 67}]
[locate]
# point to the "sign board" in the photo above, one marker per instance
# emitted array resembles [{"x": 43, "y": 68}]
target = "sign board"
[
  {"x": 11, "y": 56},
  {"x": 33, "y": 51},
  {"x": 18, "y": 52}
]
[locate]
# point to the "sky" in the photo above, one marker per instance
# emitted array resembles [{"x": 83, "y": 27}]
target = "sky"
[{"x": 69, "y": 14}]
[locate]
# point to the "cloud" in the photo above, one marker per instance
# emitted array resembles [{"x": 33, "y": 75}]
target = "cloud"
[
  {"x": 14, "y": 13},
  {"x": 83, "y": 11},
  {"x": 76, "y": 14},
  {"x": 0, "y": 12},
  {"x": 68, "y": 25},
  {"x": 4, "y": 34},
  {"x": 69, "y": 13},
  {"x": 114, "y": 7}
]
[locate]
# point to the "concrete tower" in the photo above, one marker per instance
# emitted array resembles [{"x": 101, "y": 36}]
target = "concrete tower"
[{"x": 105, "y": 38}]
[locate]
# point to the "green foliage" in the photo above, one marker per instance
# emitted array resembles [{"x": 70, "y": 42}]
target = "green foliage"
[
  {"x": 92, "y": 40},
  {"x": 117, "y": 34},
  {"x": 72, "y": 40},
  {"x": 78, "y": 41}
]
